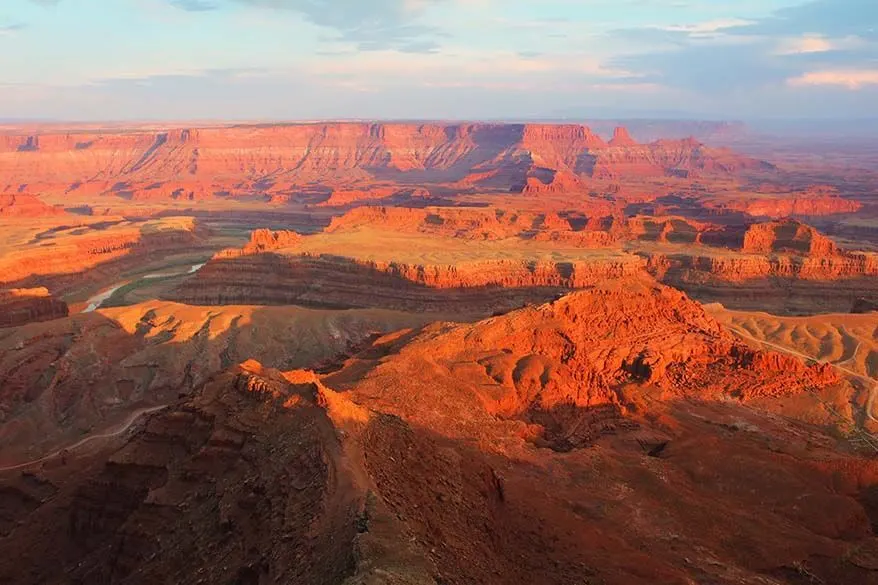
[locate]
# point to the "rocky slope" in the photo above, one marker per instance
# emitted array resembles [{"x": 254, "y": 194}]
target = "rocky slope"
[
  {"x": 62, "y": 378},
  {"x": 528, "y": 444}
]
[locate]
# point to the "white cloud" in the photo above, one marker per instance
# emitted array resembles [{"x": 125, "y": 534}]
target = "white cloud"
[
  {"x": 708, "y": 28},
  {"x": 814, "y": 43},
  {"x": 852, "y": 79}
]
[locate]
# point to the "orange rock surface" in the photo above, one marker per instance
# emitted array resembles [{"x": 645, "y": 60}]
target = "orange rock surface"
[{"x": 23, "y": 205}]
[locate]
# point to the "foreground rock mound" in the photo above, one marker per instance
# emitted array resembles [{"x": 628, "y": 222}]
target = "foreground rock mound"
[
  {"x": 424, "y": 460},
  {"x": 565, "y": 366}
]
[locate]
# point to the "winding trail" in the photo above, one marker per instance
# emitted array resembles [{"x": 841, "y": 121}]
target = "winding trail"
[
  {"x": 837, "y": 366},
  {"x": 123, "y": 428}
]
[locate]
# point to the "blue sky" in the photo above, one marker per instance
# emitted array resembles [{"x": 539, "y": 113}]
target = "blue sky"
[{"x": 309, "y": 59}]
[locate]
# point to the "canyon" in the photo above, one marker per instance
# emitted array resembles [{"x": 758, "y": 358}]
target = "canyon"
[
  {"x": 438, "y": 258},
  {"x": 333, "y": 477},
  {"x": 435, "y": 353}
]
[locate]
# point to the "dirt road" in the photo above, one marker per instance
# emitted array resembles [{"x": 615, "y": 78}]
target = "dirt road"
[{"x": 115, "y": 433}]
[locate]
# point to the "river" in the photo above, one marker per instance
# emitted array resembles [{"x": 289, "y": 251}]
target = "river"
[{"x": 95, "y": 302}]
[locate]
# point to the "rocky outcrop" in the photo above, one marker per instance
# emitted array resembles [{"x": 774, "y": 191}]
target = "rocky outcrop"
[
  {"x": 621, "y": 138},
  {"x": 790, "y": 237},
  {"x": 266, "y": 240},
  {"x": 541, "y": 363},
  {"x": 23, "y": 205},
  {"x": 22, "y": 306}
]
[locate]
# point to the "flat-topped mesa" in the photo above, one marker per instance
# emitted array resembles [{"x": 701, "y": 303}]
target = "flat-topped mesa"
[
  {"x": 621, "y": 137},
  {"x": 788, "y": 237},
  {"x": 470, "y": 224},
  {"x": 784, "y": 205},
  {"x": 574, "y": 135},
  {"x": 22, "y": 306},
  {"x": 72, "y": 258}
]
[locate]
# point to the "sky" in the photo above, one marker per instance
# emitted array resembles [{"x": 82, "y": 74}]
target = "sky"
[{"x": 437, "y": 59}]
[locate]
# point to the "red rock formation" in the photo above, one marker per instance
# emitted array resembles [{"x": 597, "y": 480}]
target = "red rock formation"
[
  {"x": 622, "y": 138},
  {"x": 341, "y": 198},
  {"x": 307, "y": 153},
  {"x": 541, "y": 181},
  {"x": 22, "y": 306},
  {"x": 817, "y": 200},
  {"x": 790, "y": 237},
  {"x": 476, "y": 288},
  {"x": 581, "y": 350}
]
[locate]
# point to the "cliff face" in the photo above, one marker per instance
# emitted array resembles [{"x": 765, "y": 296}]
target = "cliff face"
[
  {"x": 331, "y": 152},
  {"x": 22, "y": 306}
]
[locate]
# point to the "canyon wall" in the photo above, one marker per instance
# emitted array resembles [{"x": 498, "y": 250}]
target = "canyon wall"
[
  {"x": 132, "y": 162},
  {"x": 333, "y": 281}
]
